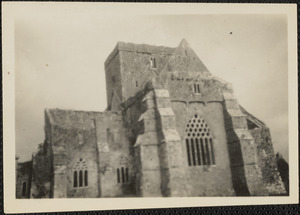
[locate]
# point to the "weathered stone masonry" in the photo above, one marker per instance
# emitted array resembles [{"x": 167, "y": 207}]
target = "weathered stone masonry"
[{"x": 170, "y": 129}]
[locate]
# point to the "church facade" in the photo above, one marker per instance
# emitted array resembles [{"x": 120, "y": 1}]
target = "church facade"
[{"x": 171, "y": 128}]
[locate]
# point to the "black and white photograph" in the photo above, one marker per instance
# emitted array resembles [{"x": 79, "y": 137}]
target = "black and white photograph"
[{"x": 134, "y": 102}]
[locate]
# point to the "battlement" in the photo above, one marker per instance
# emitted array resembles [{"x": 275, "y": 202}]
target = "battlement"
[{"x": 139, "y": 48}]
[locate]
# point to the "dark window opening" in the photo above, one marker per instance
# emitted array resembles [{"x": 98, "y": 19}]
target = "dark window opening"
[
  {"x": 80, "y": 178},
  {"x": 85, "y": 178},
  {"x": 118, "y": 173},
  {"x": 196, "y": 88},
  {"x": 24, "y": 187},
  {"x": 75, "y": 183},
  {"x": 123, "y": 175},
  {"x": 153, "y": 62},
  {"x": 136, "y": 83}
]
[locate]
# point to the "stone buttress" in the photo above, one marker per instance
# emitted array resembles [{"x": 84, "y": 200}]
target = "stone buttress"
[
  {"x": 158, "y": 149},
  {"x": 247, "y": 177}
]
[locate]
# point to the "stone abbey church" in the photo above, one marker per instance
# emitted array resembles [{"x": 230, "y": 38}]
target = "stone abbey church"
[{"x": 170, "y": 129}]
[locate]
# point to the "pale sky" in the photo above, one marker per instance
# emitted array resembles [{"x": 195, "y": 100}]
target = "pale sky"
[{"x": 60, "y": 54}]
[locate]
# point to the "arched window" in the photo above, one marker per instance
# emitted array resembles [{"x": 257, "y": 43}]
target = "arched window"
[
  {"x": 80, "y": 174},
  {"x": 122, "y": 170},
  {"x": 24, "y": 187},
  {"x": 199, "y": 143}
]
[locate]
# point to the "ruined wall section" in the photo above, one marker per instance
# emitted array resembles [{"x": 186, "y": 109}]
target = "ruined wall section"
[
  {"x": 23, "y": 181},
  {"x": 140, "y": 129},
  {"x": 42, "y": 167},
  {"x": 113, "y": 76},
  {"x": 267, "y": 161},
  {"x": 116, "y": 170},
  {"x": 73, "y": 140}
]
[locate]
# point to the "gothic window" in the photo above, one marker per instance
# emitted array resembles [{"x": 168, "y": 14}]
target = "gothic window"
[
  {"x": 80, "y": 174},
  {"x": 153, "y": 62},
  {"x": 24, "y": 189},
  {"x": 122, "y": 170},
  {"x": 199, "y": 143},
  {"x": 197, "y": 88}
]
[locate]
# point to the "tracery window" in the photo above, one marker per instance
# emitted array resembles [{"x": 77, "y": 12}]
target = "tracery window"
[
  {"x": 122, "y": 170},
  {"x": 80, "y": 174},
  {"x": 199, "y": 143}
]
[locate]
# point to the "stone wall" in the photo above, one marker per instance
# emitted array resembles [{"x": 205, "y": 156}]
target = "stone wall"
[
  {"x": 113, "y": 78},
  {"x": 42, "y": 173},
  {"x": 115, "y": 154},
  {"x": 267, "y": 161},
  {"x": 23, "y": 180}
]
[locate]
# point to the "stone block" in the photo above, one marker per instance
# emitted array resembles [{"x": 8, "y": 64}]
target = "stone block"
[
  {"x": 163, "y": 102},
  {"x": 235, "y": 154},
  {"x": 167, "y": 122},
  {"x": 165, "y": 111},
  {"x": 148, "y": 138},
  {"x": 254, "y": 180},
  {"x": 170, "y": 135},
  {"x": 174, "y": 152},
  {"x": 239, "y": 181},
  {"x": 150, "y": 184},
  {"x": 102, "y": 146},
  {"x": 235, "y": 113},
  {"x": 161, "y": 93},
  {"x": 149, "y": 114},
  {"x": 163, "y": 155},
  {"x": 177, "y": 182},
  {"x": 232, "y": 104},
  {"x": 149, "y": 157},
  {"x": 149, "y": 124},
  {"x": 228, "y": 96},
  {"x": 60, "y": 169},
  {"x": 248, "y": 151},
  {"x": 236, "y": 123}
]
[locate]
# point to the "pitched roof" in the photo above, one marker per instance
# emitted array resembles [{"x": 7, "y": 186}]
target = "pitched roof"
[
  {"x": 74, "y": 118},
  {"x": 252, "y": 118}
]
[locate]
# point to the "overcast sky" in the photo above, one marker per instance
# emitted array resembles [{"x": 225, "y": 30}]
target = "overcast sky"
[{"x": 60, "y": 54}]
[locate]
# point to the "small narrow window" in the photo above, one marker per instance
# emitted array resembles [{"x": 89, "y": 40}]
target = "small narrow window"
[
  {"x": 153, "y": 62},
  {"x": 196, "y": 88},
  {"x": 85, "y": 178},
  {"x": 24, "y": 189},
  {"x": 80, "y": 137},
  {"x": 136, "y": 83},
  {"x": 118, "y": 175},
  {"x": 127, "y": 176},
  {"x": 75, "y": 183},
  {"x": 80, "y": 178},
  {"x": 123, "y": 175}
]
